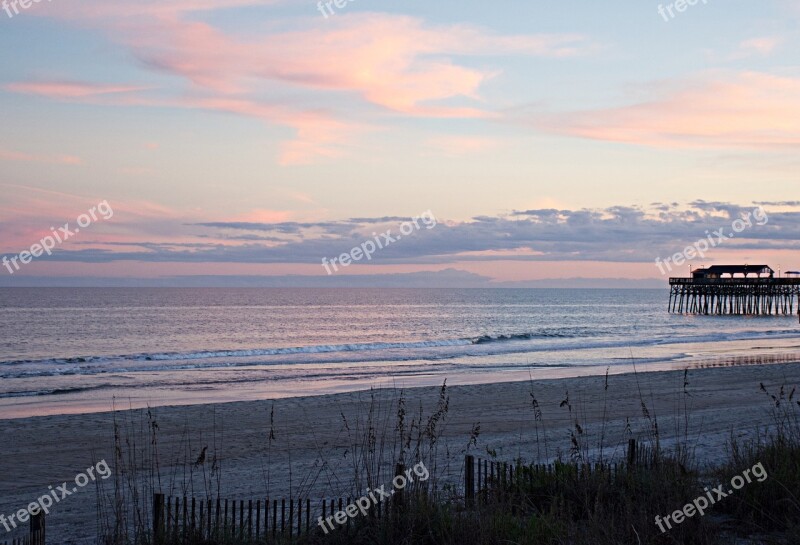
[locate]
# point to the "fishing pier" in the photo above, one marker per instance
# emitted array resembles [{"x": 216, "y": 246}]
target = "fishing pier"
[{"x": 738, "y": 290}]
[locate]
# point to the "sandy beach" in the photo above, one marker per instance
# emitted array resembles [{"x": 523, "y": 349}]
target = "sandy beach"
[{"x": 314, "y": 439}]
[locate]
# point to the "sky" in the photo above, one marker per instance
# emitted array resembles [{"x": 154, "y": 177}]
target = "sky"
[{"x": 233, "y": 142}]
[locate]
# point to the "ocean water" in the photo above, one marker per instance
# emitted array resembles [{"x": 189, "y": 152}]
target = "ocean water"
[{"x": 65, "y": 350}]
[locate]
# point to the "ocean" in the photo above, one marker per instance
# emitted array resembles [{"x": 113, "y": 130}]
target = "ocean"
[{"x": 78, "y": 350}]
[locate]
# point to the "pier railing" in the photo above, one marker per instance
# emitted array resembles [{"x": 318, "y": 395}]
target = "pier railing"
[
  {"x": 735, "y": 281},
  {"x": 734, "y": 296}
]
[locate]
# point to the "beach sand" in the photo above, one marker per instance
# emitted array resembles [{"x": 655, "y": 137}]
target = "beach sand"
[{"x": 316, "y": 438}]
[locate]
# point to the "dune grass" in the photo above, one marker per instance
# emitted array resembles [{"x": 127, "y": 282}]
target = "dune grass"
[{"x": 566, "y": 506}]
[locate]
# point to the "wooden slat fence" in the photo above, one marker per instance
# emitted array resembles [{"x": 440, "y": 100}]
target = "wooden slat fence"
[
  {"x": 25, "y": 540},
  {"x": 480, "y": 474},
  {"x": 191, "y": 520},
  {"x": 35, "y": 535},
  {"x": 185, "y": 519},
  {"x": 17, "y": 541}
]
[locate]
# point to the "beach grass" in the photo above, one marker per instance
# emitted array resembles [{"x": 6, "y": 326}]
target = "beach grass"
[{"x": 614, "y": 502}]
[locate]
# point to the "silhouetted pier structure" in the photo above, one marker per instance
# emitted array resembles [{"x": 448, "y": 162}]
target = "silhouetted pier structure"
[{"x": 720, "y": 290}]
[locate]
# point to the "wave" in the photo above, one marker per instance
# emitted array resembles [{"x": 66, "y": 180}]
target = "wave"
[
  {"x": 312, "y": 349},
  {"x": 485, "y": 339},
  {"x": 565, "y": 339},
  {"x": 53, "y": 391},
  {"x": 209, "y": 354}
]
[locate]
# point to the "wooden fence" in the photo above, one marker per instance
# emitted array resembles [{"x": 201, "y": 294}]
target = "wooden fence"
[
  {"x": 481, "y": 474},
  {"x": 186, "y": 519},
  {"x": 191, "y": 520},
  {"x": 35, "y": 535}
]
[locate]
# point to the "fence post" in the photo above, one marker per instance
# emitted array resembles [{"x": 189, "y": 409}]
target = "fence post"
[
  {"x": 37, "y": 529},
  {"x": 158, "y": 517},
  {"x": 469, "y": 479},
  {"x": 397, "y": 500},
  {"x": 631, "y": 453}
]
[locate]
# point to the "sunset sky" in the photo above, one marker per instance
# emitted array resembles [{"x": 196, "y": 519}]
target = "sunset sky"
[{"x": 240, "y": 138}]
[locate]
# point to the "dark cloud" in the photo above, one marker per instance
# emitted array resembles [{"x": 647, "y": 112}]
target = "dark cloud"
[
  {"x": 778, "y": 203},
  {"x": 613, "y": 234}
]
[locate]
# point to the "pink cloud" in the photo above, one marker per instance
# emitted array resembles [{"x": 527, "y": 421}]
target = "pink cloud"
[
  {"x": 747, "y": 110},
  {"x": 264, "y": 216},
  {"x": 11, "y": 155},
  {"x": 318, "y": 134},
  {"x": 33, "y": 212},
  {"x": 134, "y": 11},
  {"x": 63, "y": 90},
  {"x": 392, "y": 61},
  {"x": 397, "y": 63}
]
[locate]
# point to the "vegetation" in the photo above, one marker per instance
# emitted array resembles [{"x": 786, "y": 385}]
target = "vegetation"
[{"x": 582, "y": 498}]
